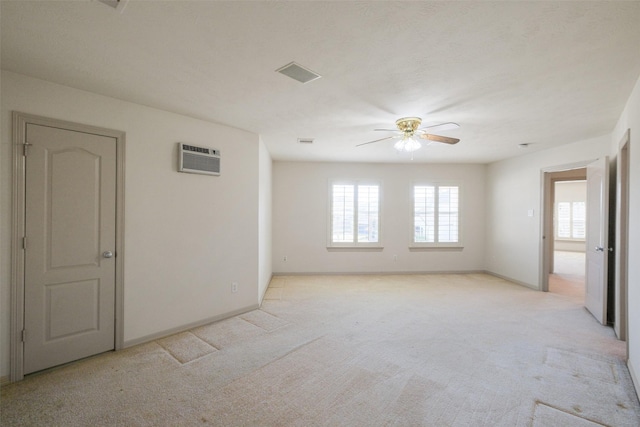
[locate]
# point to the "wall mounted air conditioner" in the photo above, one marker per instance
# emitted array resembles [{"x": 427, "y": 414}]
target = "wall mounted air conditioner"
[{"x": 193, "y": 159}]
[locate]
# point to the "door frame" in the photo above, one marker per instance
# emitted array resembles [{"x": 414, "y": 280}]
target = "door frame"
[
  {"x": 548, "y": 177},
  {"x": 20, "y": 121},
  {"x": 622, "y": 237}
]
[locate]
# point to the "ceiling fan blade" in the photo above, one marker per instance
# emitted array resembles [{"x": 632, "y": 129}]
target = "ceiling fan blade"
[
  {"x": 377, "y": 140},
  {"x": 439, "y": 138},
  {"x": 386, "y": 130},
  {"x": 442, "y": 126}
]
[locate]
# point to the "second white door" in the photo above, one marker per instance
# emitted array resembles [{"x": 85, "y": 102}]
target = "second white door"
[{"x": 70, "y": 227}]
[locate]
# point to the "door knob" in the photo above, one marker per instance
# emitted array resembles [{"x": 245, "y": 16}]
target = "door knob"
[{"x": 107, "y": 254}]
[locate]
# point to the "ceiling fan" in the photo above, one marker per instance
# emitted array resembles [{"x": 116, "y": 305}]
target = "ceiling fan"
[{"x": 408, "y": 133}]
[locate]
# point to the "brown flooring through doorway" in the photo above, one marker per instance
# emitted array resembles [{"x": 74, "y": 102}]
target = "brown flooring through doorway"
[{"x": 568, "y": 278}]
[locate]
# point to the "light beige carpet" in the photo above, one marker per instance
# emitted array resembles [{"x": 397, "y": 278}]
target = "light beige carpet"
[{"x": 415, "y": 350}]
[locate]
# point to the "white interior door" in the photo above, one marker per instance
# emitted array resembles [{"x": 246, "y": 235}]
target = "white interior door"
[
  {"x": 70, "y": 228},
  {"x": 597, "y": 238}
]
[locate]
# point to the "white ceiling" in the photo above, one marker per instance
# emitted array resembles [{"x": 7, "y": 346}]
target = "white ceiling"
[{"x": 541, "y": 73}]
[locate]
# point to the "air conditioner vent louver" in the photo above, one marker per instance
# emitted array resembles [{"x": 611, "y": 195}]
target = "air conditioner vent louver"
[{"x": 202, "y": 160}]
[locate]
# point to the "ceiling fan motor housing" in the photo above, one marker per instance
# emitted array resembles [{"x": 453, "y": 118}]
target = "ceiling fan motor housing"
[{"x": 408, "y": 125}]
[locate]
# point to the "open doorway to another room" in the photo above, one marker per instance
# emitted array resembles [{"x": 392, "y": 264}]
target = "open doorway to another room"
[
  {"x": 567, "y": 275},
  {"x": 600, "y": 291}
]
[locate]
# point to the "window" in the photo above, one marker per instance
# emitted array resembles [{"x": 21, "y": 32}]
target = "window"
[
  {"x": 571, "y": 218},
  {"x": 355, "y": 214},
  {"x": 436, "y": 215}
]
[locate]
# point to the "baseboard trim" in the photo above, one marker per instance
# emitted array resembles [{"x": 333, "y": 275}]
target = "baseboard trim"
[
  {"x": 183, "y": 328},
  {"x": 634, "y": 379},
  {"x": 376, "y": 273},
  {"x": 517, "y": 282},
  {"x": 405, "y": 273},
  {"x": 265, "y": 291}
]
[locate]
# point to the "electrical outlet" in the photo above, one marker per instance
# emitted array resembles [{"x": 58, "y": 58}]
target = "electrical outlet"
[
  {"x": 395, "y": 257},
  {"x": 284, "y": 258},
  {"x": 234, "y": 287}
]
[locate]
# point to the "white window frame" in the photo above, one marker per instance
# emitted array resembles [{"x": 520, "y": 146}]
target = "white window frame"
[
  {"x": 437, "y": 244},
  {"x": 572, "y": 220},
  {"x": 354, "y": 243}
]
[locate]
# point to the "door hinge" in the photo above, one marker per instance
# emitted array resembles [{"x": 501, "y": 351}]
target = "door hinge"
[
  {"x": 24, "y": 242},
  {"x": 24, "y": 335},
  {"x": 25, "y": 149}
]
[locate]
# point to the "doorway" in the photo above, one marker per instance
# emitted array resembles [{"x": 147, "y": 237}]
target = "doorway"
[
  {"x": 67, "y": 243},
  {"x": 567, "y": 275},
  {"x": 597, "y": 300}
]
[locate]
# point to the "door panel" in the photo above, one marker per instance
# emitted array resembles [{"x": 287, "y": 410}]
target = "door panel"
[
  {"x": 74, "y": 241},
  {"x": 597, "y": 238},
  {"x": 69, "y": 222},
  {"x": 72, "y": 308}
]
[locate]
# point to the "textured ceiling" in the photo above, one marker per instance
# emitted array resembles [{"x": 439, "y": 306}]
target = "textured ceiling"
[{"x": 541, "y": 73}]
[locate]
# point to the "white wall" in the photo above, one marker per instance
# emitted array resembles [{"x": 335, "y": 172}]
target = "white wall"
[
  {"x": 300, "y": 217},
  {"x": 513, "y": 188},
  {"x": 630, "y": 119},
  {"x": 187, "y": 236},
  {"x": 264, "y": 220},
  {"x": 5, "y": 196}
]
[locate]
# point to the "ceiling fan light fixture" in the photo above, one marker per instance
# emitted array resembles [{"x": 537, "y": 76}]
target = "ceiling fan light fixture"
[
  {"x": 408, "y": 144},
  {"x": 399, "y": 145},
  {"x": 409, "y": 134},
  {"x": 412, "y": 145}
]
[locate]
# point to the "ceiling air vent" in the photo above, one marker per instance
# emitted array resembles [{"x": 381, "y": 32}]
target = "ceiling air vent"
[
  {"x": 298, "y": 72},
  {"x": 112, "y": 3},
  {"x": 118, "y": 5},
  {"x": 305, "y": 140}
]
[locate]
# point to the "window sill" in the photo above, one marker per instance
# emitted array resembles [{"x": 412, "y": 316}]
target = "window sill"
[
  {"x": 355, "y": 248},
  {"x": 436, "y": 248}
]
